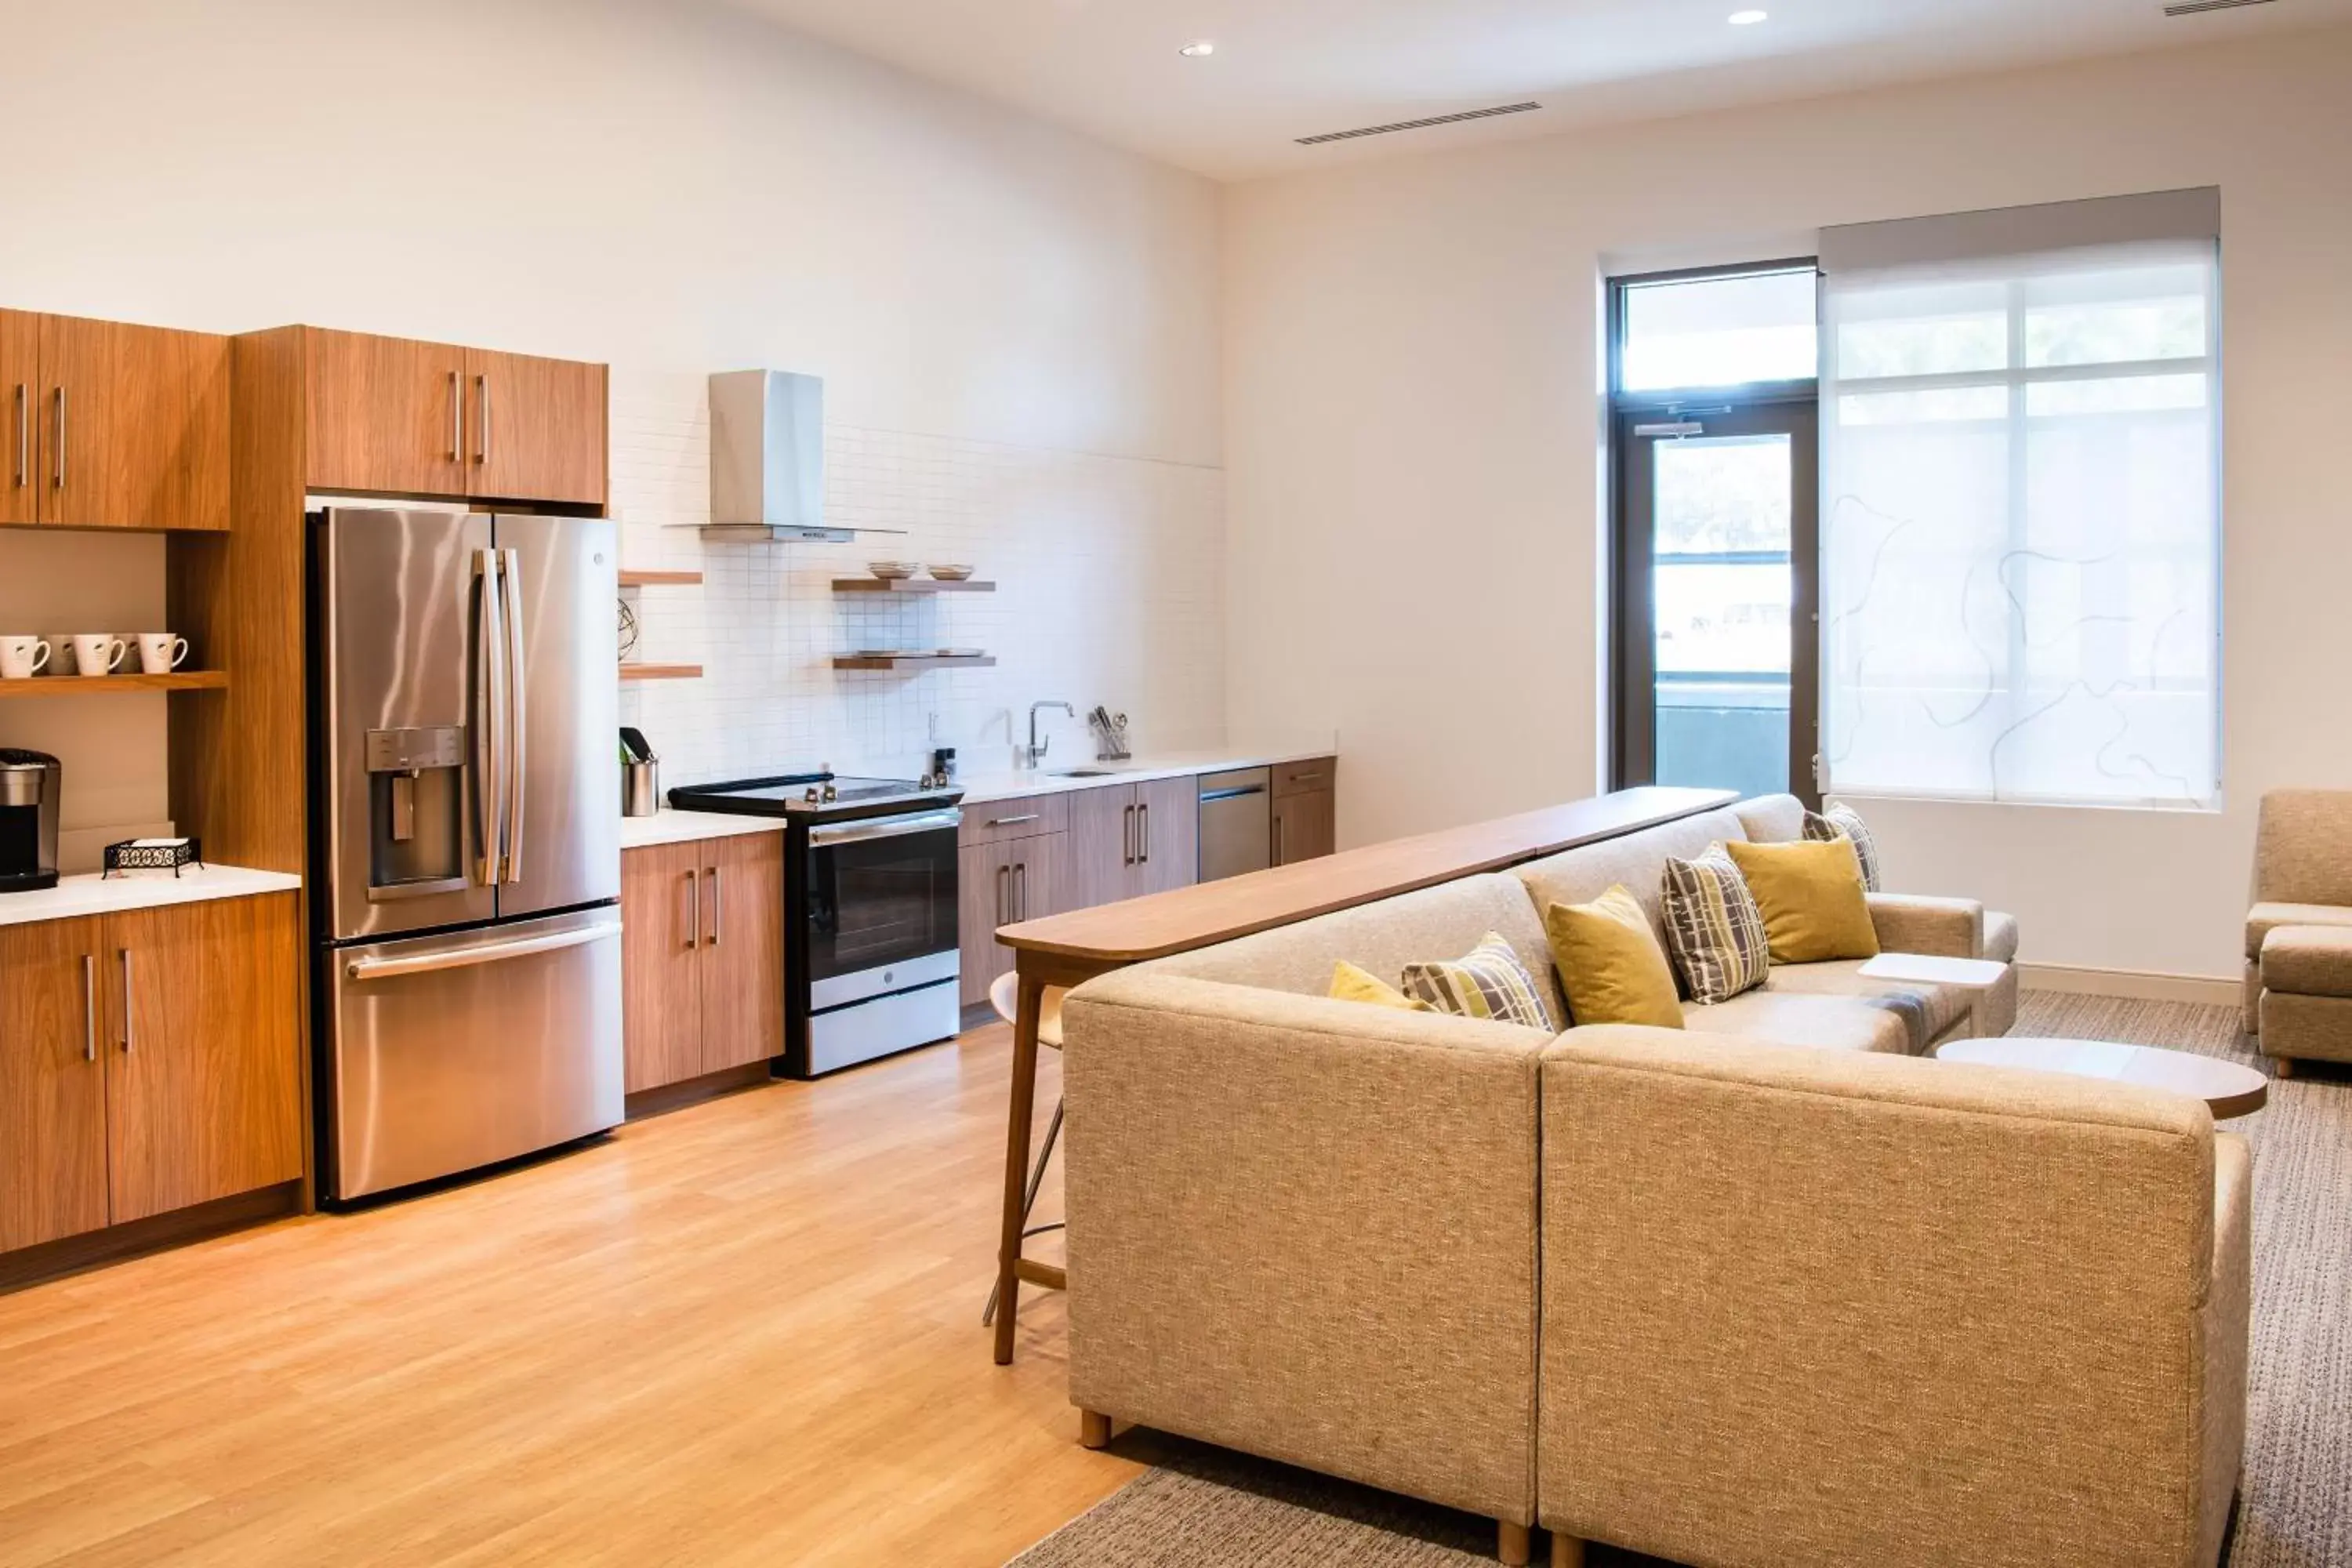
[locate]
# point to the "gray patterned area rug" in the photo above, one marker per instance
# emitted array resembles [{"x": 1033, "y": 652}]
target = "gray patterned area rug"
[{"x": 1205, "y": 1508}]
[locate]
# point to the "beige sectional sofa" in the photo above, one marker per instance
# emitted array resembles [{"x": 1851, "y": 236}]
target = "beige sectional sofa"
[
  {"x": 1770, "y": 1290},
  {"x": 2299, "y": 930}
]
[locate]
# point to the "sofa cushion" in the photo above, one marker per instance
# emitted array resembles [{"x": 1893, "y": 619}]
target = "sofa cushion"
[
  {"x": 1772, "y": 818},
  {"x": 1714, "y": 928},
  {"x": 2309, "y": 961},
  {"x": 1842, "y": 821},
  {"x": 1611, "y": 966},
  {"x": 1829, "y": 1023},
  {"x": 1928, "y": 1009},
  {"x": 2000, "y": 937},
  {"x": 1812, "y": 899},
  {"x": 2265, "y": 917},
  {"x": 2303, "y": 848},
  {"x": 1487, "y": 982}
]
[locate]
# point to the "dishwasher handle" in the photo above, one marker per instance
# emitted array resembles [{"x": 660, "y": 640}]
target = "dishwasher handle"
[{"x": 1234, "y": 793}]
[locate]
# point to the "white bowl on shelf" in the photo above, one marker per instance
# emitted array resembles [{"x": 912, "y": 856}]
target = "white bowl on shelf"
[
  {"x": 894, "y": 571},
  {"x": 947, "y": 571}
]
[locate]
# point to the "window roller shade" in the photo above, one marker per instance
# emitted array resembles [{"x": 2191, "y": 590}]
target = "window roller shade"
[{"x": 2101, "y": 221}]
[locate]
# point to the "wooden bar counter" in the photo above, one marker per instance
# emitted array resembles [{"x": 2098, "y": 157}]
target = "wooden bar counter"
[{"x": 1070, "y": 949}]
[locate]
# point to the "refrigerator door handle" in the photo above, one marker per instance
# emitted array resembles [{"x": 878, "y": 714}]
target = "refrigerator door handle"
[
  {"x": 466, "y": 957},
  {"x": 517, "y": 712},
  {"x": 489, "y": 722}
]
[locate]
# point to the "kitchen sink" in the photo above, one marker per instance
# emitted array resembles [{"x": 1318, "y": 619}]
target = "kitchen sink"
[{"x": 1084, "y": 772}]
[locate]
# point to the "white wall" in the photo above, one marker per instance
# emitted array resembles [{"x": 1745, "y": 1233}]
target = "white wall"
[
  {"x": 675, "y": 188},
  {"x": 1415, "y": 458}
]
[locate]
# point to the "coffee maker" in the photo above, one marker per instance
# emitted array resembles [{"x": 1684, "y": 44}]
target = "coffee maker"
[{"x": 29, "y": 820}]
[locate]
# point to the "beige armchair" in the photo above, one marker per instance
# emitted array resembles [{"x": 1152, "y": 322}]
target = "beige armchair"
[{"x": 2299, "y": 932}]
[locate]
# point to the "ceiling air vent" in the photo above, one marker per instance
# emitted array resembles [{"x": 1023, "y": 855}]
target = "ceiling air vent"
[
  {"x": 2191, "y": 7},
  {"x": 1500, "y": 109}
]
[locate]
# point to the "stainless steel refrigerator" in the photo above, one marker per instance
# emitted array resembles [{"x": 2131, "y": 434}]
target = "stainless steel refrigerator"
[{"x": 465, "y": 840}]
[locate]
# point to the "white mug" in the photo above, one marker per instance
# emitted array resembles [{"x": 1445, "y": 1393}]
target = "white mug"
[
  {"x": 97, "y": 653},
  {"x": 160, "y": 652},
  {"x": 22, "y": 656}
]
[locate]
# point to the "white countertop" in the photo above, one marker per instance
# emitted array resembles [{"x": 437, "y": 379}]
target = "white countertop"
[
  {"x": 672, "y": 827},
  {"x": 979, "y": 788},
  {"x": 88, "y": 893}
]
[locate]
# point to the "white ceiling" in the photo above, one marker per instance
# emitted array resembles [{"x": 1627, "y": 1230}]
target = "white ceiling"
[{"x": 1285, "y": 68}]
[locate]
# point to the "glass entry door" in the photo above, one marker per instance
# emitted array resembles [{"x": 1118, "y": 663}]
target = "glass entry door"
[{"x": 1715, "y": 607}]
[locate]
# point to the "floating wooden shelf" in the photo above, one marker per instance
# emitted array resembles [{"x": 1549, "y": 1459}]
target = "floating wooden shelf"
[
  {"x": 661, "y": 672},
  {"x": 912, "y": 661},
  {"x": 630, "y": 579},
  {"x": 93, "y": 685},
  {"x": 907, "y": 585}
]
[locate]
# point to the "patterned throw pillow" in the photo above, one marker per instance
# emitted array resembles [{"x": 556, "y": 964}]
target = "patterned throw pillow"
[
  {"x": 1842, "y": 821},
  {"x": 1489, "y": 982},
  {"x": 1353, "y": 983},
  {"x": 1714, "y": 927}
]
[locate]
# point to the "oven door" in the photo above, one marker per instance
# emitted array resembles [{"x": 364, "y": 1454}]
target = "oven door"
[{"x": 880, "y": 904}]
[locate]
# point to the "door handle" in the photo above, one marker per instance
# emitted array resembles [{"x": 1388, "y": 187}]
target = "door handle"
[
  {"x": 456, "y": 417},
  {"x": 482, "y": 420},
  {"x": 1127, "y": 837},
  {"x": 489, "y": 720},
  {"x": 1021, "y": 890},
  {"x": 90, "y": 1006},
  {"x": 1143, "y": 823},
  {"x": 466, "y": 957},
  {"x": 517, "y": 712},
  {"x": 718, "y": 905},
  {"x": 23, "y": 435},
  {"x": 128, "y": 1043},
  {"x": 1004, "y": 895},
  {"x": 1277, "y": 841},
  {"x": 694, "y": 912},
  {"x": 57, "y": 396}
]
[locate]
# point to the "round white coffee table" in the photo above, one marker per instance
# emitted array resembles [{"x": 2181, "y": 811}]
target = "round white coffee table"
[{"x": 2229, "y": 1089}]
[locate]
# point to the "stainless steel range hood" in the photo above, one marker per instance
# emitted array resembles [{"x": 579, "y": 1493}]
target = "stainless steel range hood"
[{"x": 767, "y": 460}]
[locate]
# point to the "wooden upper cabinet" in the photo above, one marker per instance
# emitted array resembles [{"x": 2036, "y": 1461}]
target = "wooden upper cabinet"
[
  {"x": 743, "y": 950},
  {"x": 535, "y": 428},
  {"x": 20, "y": 417},
  {"x": 386, "y": 415},
  {"x": 52, "y": 1083},
  {"x": 200, "y": 1003},
  {"x": 134, "y": 425}
]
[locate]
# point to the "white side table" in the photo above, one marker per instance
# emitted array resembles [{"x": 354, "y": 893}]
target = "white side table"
[{"x": 1974, "y": 975}]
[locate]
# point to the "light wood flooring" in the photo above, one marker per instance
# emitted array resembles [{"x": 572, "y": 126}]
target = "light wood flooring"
[{"x": 744, "y": 1333}]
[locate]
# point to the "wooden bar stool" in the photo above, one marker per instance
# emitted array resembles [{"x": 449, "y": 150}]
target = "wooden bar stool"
[{"x": 1004, "y": 997}]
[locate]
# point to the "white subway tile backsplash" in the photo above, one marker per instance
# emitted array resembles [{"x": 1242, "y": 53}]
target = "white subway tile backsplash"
[{"x": 1110, "y": 589}]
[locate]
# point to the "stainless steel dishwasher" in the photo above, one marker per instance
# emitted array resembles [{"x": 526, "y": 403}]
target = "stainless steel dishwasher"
[{"x": 1236, "y": 825}]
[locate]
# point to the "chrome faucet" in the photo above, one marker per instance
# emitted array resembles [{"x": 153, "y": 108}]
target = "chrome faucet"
[{"x": 1030, "y": 756}]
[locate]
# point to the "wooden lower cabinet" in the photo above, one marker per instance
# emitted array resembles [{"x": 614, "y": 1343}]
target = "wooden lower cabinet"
[
  {"x": 148, "y": 1061},
  {"x": 1168, "y": 835},
  {"x": 53, "y": 1152},
  {"x": 702, "y": 957},
  {"x": 1305, "y": 825},
  {"x": 998, "y": 883},
  {"x": 1127, "y": 840}
]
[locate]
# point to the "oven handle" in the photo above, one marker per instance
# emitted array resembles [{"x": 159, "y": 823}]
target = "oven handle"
[{"x": 884, "y": 827}]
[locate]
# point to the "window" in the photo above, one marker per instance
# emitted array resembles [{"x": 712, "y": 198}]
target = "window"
[{"x": 2021, "y": 526}]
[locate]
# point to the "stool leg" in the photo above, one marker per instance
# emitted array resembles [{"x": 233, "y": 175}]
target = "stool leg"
[{"x": 1029, "y": 1198}]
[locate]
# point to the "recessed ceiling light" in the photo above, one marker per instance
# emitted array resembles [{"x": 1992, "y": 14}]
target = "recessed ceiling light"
[
  {"x": 1746, "y": 19},
  {"x": 1198, "y": 51}
]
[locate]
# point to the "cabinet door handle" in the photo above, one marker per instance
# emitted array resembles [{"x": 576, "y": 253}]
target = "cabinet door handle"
[
  {"x": 1305, "y": 778},
  {"x": 1020, "y": 891},
  {"x": 694, "y": 911},
  {"x": 128, "y": 1044},
  {"x": 1143, "y": 821},
  {"x": 1004, "y": 895},
  {"x": 717, "y": 907},
  {"x": 456, "y": 417},
  {"x": 23, "y": 435},
  {"x": 90, "y": 1006},
  {"x": 1277, "y": 840},
  {"x": 1010, "y": 821},
  {"x": 482, "y": 432},
  {"x": 57, "y": 396},
  {"x": 1127, "y": 837}
]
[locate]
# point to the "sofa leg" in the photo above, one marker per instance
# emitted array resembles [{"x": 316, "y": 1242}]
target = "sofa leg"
[
  {"x": 1566, "y": 1551},
  {"x": 1094, "y": 1429},
  {"x": 1510, "y": 1543},
  {"x": 2283, "y": 1066}
]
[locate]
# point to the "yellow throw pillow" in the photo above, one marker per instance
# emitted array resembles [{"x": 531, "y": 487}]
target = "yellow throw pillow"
[
  {"x": 1810, "y": 894},
  {"x": 1350, "y": 983},
  {"x": 1611, "y": 965}
]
